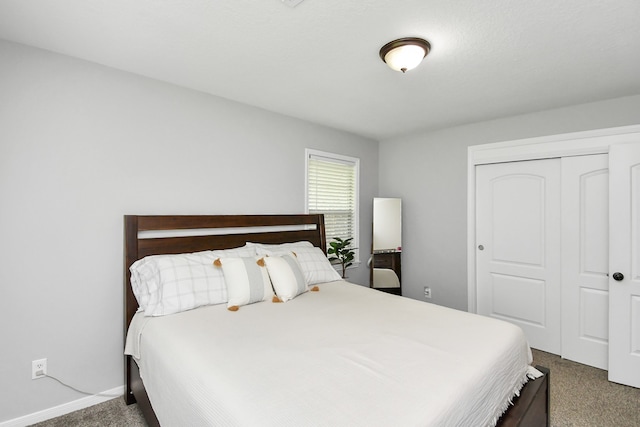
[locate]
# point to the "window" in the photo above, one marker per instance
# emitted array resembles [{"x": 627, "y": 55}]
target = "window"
[{"x": 332, "y": 190}]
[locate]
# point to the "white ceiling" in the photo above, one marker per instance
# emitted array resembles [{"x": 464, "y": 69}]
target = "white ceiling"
[{"x": 319, "y": 61}]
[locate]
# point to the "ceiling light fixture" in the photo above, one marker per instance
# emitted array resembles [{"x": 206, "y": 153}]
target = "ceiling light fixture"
[{"x": 405, "y": 54}]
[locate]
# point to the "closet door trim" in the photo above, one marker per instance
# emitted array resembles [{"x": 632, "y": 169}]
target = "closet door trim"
[{"x": 563, "y": 145}]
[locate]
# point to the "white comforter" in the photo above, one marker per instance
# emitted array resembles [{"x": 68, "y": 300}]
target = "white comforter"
[{"x": 343, "y": 356}]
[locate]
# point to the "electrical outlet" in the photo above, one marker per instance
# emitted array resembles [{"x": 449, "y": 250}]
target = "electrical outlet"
[
  {"x": 427, "y": 292},
  {"x": 38, "y": 369}
]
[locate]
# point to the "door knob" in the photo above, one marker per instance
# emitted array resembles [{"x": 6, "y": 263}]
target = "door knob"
[{"x": 618, "y": 276}]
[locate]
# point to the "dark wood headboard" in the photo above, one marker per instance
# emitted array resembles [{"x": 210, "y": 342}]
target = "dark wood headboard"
[{"x": 285, "y": 228}]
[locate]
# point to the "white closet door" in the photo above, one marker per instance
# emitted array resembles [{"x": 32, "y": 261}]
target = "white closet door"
[
  {"x": 518, "y": 247},
  {"x": 624, "y": 260},
  {"x": 585, "y": 259}
]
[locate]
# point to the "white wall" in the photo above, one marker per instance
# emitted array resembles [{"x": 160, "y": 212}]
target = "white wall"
[
  {"x": 429, "y": 171},
  {"x": 80, "y": 146}
]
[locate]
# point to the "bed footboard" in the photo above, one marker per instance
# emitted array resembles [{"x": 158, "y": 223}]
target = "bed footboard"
[{"x": 531, "y": 408}]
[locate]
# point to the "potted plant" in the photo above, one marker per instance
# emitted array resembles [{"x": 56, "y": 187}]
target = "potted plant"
[{"x": 341, "y": 252}]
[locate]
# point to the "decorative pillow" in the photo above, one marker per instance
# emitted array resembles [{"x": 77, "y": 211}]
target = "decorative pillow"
[
  {"x": 313, "y": 262},
  {"x": 167, "y": 284},
  {"x": 247, "y": 280},
  {"x": 286, "y": 276}
]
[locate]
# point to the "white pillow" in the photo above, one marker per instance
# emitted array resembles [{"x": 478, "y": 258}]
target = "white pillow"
[
  {"x": 167, "y": 284},
  {"x": 313, "y": 262},
  {"x": 286, "y": 276},
  {"x": 247, "y": 280}
]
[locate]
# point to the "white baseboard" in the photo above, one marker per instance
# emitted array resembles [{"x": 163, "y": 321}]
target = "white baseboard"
[{"x": 64, "y": 409}]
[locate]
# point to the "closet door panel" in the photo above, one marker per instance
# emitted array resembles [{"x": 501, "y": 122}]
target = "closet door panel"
[
  {"x": 585, "y": 248},
  {"x": 624, "y": 246},
  {"x": 518, "y": 200},
  {"x": 518, "y": 299},
  {"x": 518, "y": 247}
]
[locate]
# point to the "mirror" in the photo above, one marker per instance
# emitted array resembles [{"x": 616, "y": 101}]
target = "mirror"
[
  {"x": 386, "y": 245},
  {"x": 387, "y": 225}
]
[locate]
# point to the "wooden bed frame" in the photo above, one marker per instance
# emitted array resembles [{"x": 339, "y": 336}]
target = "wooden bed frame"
[{"x": 531, "y": 408}]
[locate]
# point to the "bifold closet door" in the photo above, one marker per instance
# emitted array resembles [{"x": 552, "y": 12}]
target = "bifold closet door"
[
  {"x": 585, "y": 259},
  {"x": 624, "y": 264},
  {"x": 518, "y": 247}
]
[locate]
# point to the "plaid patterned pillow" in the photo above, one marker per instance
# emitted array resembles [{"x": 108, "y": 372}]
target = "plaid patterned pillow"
[{"x": 167, "y": 284}]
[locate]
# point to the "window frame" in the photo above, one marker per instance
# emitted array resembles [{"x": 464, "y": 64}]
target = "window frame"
[{"x": 309, "y": 153}]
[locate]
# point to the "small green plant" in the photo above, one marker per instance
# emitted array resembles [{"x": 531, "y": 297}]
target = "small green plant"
[{"x": 341, "y": 252}]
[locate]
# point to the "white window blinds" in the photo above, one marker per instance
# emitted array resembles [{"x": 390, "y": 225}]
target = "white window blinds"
[{"x": 332, "y": 190}]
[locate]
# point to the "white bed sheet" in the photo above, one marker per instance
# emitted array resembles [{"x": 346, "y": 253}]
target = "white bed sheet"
[{"x": 344, "y": 356}]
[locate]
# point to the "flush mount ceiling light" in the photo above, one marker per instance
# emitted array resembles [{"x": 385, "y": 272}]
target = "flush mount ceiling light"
[{"x": 405, "y": 54}]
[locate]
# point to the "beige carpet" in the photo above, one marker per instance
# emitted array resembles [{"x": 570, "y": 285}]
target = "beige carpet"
[
  {"x": 581, "y": 396},
  {"x": 114, "y": 413}
]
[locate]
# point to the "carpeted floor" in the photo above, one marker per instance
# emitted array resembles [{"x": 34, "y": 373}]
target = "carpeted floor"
[
  {"x": 581, "y": 396},
  {"x": 114, "y": 413}
]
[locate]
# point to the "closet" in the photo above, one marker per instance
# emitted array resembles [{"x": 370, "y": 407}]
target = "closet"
[{"x": 554, "y": 236}]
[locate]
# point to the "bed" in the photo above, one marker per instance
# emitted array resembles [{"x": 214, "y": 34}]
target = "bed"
[{"x": 342, "y": 355}]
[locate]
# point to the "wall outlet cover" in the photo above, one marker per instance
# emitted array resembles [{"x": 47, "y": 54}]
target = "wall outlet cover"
[{"x": 38, "y": 369}]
